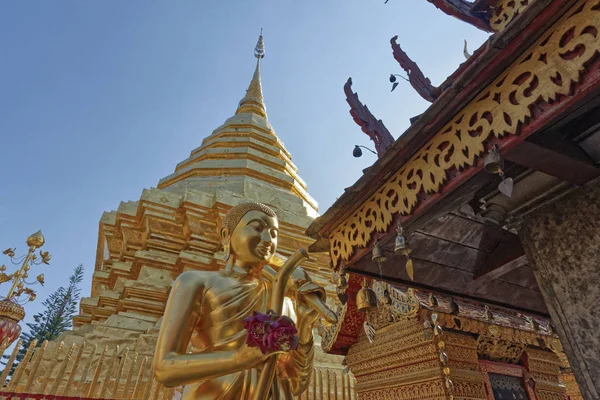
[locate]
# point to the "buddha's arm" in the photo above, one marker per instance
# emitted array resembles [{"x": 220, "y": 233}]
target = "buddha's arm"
[{"x": 172, "y": 366}]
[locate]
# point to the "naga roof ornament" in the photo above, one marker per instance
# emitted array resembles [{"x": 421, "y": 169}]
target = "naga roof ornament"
[
  {"x": 373, "y": 127},
  {"x": 417, "y": 79}
]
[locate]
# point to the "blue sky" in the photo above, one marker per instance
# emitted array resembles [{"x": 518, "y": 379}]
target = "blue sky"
[{"x": 100, "y": 99}]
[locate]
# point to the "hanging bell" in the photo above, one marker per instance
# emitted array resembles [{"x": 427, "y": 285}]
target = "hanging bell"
[
  {"x": 378, "y": 252},
  {"x": 493, "y": 161},
  {"x": 401, "y": 245},
  {"x": 366, "y": 299}
]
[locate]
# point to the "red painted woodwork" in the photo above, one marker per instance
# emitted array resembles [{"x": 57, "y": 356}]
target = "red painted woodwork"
[{"x": 373, "y": 127}]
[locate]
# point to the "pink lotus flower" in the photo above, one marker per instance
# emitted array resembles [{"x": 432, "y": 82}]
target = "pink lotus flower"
[
  {"x": 271, "y": 332},
  {"x": 257, "y": 325},
  {"x": 282, "y": 335}
]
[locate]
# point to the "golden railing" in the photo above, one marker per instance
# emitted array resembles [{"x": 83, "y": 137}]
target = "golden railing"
[{"x": 86, "y": 372}]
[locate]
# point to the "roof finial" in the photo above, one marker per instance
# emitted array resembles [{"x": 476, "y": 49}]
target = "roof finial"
[{"x": 259, "y": 50}]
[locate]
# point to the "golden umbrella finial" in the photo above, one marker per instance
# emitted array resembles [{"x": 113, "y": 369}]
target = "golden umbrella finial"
[
  {"x": 259, "y": 50},
  {"x": 36, "y": 240},
  {"x": 11, "y": 306}
]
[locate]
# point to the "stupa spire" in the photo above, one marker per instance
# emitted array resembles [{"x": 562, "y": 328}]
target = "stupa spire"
[{"x": 253, "y": 101}]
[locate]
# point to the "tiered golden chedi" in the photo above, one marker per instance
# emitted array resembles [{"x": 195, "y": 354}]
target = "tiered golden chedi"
[{"x": 145, "y": 245}]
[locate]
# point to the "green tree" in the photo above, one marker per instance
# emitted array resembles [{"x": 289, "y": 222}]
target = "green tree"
[{"x": 60, "y": 306}]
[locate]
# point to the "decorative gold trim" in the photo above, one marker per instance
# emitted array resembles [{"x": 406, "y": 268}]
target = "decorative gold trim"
[
  {"x": 505, "y": 12},
  {"x": 11, "y": 310},
  {"x": 544, "y": 72}
]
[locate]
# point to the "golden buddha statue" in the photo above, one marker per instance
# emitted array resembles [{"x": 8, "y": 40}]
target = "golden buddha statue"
[{"x": 202, "y": 340}]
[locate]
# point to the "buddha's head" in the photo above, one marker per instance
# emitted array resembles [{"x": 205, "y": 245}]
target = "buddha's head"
[{"x": 249, "y": 233}]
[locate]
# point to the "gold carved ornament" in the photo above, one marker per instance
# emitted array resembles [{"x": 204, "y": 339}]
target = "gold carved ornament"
[
  {"x": 495, "y": 349},
  {"x": 544, "y": 72},
  {"x": 505, "y": 12}
]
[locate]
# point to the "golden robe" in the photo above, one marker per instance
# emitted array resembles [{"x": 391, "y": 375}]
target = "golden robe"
[{"x": 227, "y": 298}]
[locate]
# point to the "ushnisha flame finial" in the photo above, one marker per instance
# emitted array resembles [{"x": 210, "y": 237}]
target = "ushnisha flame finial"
[{"x": 259, "y": 50}]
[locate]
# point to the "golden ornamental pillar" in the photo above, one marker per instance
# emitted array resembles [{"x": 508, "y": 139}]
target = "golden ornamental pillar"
[{"x": 11, "y": 306}]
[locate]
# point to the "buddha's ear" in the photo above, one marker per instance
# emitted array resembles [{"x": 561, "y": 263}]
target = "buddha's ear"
[{"x": 226, "y": 241}]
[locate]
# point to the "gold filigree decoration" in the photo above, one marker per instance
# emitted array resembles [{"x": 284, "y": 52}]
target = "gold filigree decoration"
[
  {"x": 404, "y": 305},
  {"x": 544, "y": 72},
  {"x": 505, "y": 11},
  {"x": 10, "y": 309},
  {"x": 421, "y": 390},
  {"x": 494, "y": 349}
]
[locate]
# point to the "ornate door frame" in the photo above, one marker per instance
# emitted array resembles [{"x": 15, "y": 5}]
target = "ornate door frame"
[{"x": 487, "y": 367}]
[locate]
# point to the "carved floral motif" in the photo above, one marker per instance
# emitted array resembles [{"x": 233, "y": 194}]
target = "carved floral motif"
[
  {"x": 548, "y": 70},
  {"x": 494, "y": 349}
]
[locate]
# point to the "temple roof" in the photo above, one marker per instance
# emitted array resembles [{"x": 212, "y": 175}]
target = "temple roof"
[
  {"x": 245, "y": 156},
  {"x": 461, "y": 87}
]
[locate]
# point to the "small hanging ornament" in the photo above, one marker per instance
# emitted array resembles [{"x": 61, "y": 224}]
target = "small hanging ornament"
[
  {"x": 535, "y": 325},
  {"x": 378, "y": 253},
  {"x": 342, "y": 295},
  {"x": 369, "y": 331},
  {"x": 401, "y": 247},
  {"x": 428, "y": 332},
  {"x": 433, "y": 302},
  {"x": 494, "y": 164},
  {"x": 345, "y": 365},
  {"x": 410, "y": 269},
  {"x": 343, "y": 283},
  {"x": 443, "y": 356},
  {"x": 488, "y": 314}
]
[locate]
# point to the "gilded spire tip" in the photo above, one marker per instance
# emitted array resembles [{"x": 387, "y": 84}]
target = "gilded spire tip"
[
  {"x": 253, "y": 101},
  {"x": 259, "y": 50}
]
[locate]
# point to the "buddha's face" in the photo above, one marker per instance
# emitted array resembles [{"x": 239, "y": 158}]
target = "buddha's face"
[{"x": 254, "y": 239}]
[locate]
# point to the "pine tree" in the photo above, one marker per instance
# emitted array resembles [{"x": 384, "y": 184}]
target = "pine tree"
[{"x": 60, "y": 306}]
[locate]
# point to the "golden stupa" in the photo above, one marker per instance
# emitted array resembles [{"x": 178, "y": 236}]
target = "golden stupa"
[{"x": 144, "y": 245}]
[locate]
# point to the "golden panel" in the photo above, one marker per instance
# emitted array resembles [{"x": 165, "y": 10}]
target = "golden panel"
[
  {"x": 423, "y": 390},
  {"x": 505, "y": 11},
  {"x": 494, "y": 349},
  {"x": 391, "y": 360},
  {"x": 395, "y": 373},
  {"x": 545, "y": 71},
  {"x": 469, "y": 390}
]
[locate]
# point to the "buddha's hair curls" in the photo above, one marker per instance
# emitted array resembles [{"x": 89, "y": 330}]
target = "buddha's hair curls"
[{"x": 235, "y": 214}]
